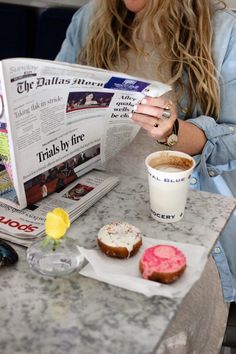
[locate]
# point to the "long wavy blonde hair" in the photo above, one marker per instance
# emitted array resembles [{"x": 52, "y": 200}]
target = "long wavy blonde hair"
[{"x": 181, "y": 30}]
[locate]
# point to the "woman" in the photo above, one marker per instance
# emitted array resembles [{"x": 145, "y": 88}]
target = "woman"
[
  {"x": 192, "y": 46},
  {"x": 88, "y": 99}
]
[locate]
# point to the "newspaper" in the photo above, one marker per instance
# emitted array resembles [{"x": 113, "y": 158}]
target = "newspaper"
[
  {"x": 59, "y": 121},
  {"x": 23, "y": 226}
]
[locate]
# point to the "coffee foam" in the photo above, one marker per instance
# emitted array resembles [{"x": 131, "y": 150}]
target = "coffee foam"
[{"x": 179, "y": 162}]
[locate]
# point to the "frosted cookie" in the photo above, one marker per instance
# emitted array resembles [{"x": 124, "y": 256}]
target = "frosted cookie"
[
  {"x": 119, "y": 240},
  {"x": 162, "y": 263}
]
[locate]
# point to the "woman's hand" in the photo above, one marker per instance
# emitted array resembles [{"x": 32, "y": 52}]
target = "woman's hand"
[{"x": 157, "y": 116}]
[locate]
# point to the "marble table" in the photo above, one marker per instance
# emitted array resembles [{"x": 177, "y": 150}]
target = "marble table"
[{"x": 79, "y": 315}]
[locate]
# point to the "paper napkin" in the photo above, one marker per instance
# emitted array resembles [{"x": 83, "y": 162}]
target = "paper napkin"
[{"x": 125, "y": 272}]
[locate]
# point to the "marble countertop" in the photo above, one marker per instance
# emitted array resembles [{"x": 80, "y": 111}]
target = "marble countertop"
[{"x": 78, "y": 315}]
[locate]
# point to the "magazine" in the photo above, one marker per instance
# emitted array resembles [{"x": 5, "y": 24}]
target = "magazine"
[{"x": 58, "y": 121}]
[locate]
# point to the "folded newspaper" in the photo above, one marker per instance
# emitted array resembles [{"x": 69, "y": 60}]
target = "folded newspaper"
[
  {"x": 59, "y": 121},
  {"x": 23, "y": 226}
]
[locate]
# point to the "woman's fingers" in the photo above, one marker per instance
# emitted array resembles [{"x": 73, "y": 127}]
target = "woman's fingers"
[
  {"x": 157, "y": 128},
  {"x": 161, "y": 102},
  {"x": 153, "y": 111},
  {"x": 146, "y": 119},
  {"x": 156, "y": 116}
]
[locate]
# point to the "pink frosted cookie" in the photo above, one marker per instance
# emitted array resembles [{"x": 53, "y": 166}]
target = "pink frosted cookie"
[{"x": 162, "y": 263}]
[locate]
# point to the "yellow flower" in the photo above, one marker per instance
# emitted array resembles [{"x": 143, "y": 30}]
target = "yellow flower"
[{"x": 56, "y": 224}]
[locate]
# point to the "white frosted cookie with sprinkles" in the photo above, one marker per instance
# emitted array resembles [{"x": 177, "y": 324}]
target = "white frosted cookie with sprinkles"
[{"x": 119, "y": 239}]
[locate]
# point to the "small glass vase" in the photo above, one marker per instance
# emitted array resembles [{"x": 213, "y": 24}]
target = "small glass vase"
[{"x": 51, "y": 261}]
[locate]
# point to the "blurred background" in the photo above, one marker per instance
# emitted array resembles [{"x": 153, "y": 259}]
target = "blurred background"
[{"x": 28, "y": 27}]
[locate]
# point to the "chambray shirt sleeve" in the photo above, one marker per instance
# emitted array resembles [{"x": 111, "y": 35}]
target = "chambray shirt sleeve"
[
  {"x": 76, "y": 35},
  {"x": 219, "y": 153}
]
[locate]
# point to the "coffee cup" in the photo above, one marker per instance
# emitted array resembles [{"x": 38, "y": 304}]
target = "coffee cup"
[{"x": 169, "y": 173}]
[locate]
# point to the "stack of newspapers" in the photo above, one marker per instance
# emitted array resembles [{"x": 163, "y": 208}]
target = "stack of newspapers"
[{"x": 24, "y": 226}]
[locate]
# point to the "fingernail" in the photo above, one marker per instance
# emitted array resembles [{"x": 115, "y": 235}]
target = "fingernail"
[
  {"x": 135, "y": 107},
  {"x": 130, "y": 115},
  {"x": 144, "y": 101}
]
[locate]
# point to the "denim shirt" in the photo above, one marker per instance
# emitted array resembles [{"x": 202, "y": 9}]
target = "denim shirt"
[{"x": 216, "y": 166}]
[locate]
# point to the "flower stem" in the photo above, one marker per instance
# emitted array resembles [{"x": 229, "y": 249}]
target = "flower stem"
[{"x": 55, "y": 244}]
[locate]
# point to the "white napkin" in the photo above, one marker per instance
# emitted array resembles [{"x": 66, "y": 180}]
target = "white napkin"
[{"x": 125, "y": 272}]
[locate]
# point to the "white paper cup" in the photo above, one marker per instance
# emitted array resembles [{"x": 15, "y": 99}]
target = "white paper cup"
[{"x": 169, "y": 173}]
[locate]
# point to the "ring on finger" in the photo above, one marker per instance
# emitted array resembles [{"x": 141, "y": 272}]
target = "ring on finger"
[
  {"x": 166, "y": 114},
  {"x": 156, "y": 124},
  {"x": 169, "y": 105}
]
